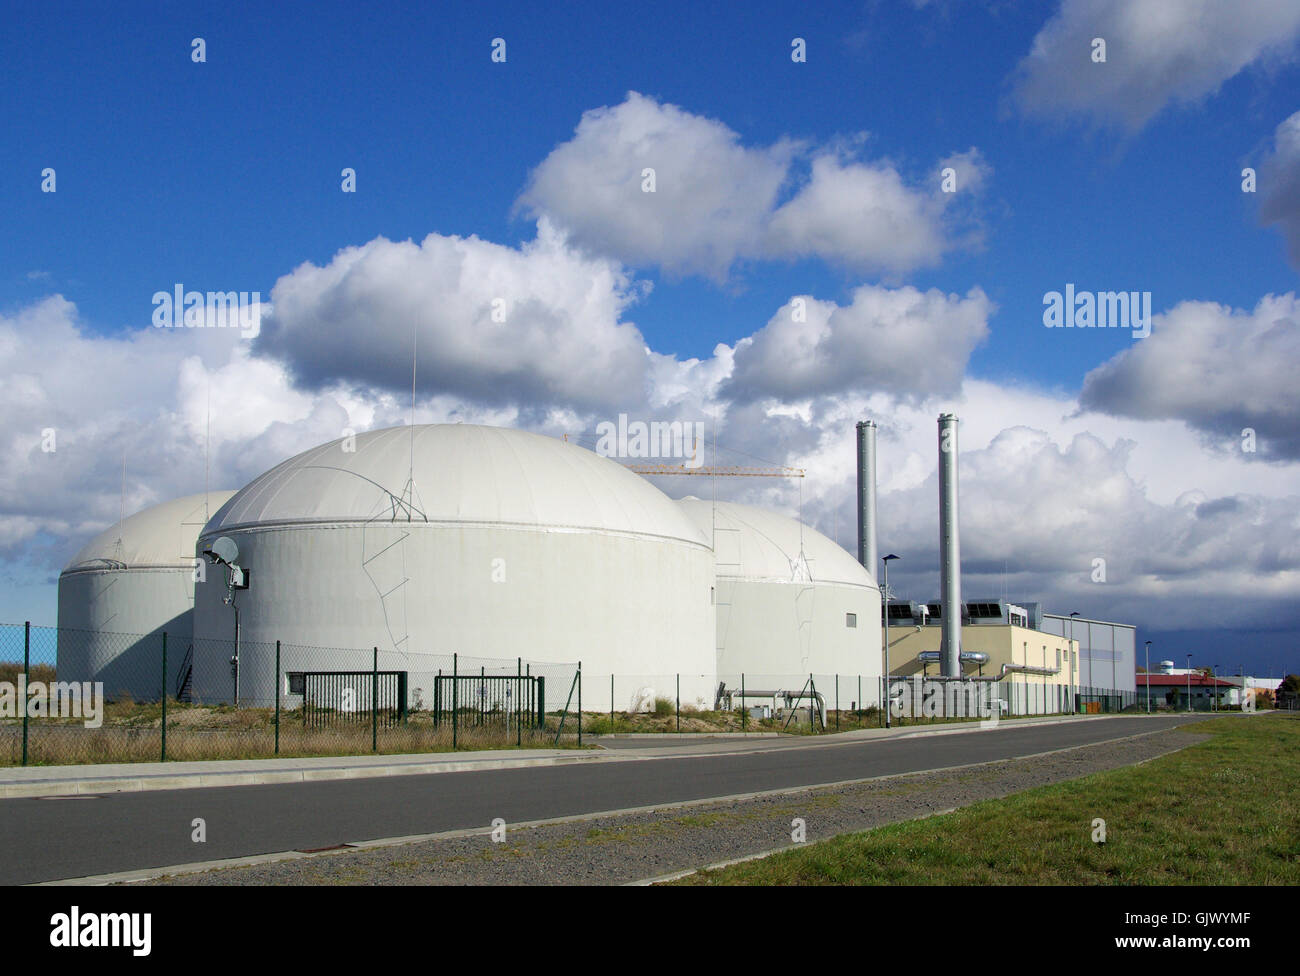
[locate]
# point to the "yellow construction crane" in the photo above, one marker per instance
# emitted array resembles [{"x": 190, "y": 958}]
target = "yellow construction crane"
[{"x": 709, "y": 471}]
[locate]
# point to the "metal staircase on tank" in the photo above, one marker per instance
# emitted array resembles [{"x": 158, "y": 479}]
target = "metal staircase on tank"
[{"x": 185, "y": 677}]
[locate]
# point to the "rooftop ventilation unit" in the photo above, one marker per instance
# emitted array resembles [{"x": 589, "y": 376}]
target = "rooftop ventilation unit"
[{"x": 903, "y": 610}]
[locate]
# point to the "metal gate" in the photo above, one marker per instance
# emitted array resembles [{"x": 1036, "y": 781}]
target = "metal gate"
[
  {"x": 333, "y": 698},
  {"x": 490, "y": 699},
  {"x": 1096, "y": 704}
]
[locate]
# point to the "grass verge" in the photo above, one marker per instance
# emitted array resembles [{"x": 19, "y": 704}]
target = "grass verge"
[
  {"x": 132, "y": 732},
  {"x": 1224, "y": 811}
]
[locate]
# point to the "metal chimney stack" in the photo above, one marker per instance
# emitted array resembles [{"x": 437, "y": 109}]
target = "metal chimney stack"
[
  {"x": 949, "y": 548},
  {"x": 868, "y": 555}
]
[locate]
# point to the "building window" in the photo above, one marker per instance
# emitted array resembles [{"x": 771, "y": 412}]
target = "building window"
[{"x": 850, "y": 620}]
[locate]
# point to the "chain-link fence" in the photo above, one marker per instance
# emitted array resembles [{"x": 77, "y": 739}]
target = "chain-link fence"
[
  {"x": 818, "y": 703},
  {"x": 69, "y": 696},
  {"x": 931, "y": 698}
]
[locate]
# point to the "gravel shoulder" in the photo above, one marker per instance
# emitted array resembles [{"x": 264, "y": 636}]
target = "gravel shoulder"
[{"x": 636, "y": 846}]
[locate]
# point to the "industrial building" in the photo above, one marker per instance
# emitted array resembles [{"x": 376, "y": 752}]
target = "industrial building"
[
  {"x": 124, "y": 589},
  {"x": 1039, "y": 671},
  {"x": 1024, "y": 644},
  {"x": 1045, "y": 662},
  {"x": 1107, "y": 650},
  {"x": 789, "y": 601},
  {"x": 452, "y": 538}
]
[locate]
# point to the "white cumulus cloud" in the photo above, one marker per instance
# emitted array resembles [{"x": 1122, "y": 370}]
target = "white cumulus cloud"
[
  {"x": 1219, "y": 370},
  {"x": 716, "y": 202},
  {"x": 1158, "y": 52},
  {"x": 494, "y": 324},
  {"x": 1279, "y": 185},
  {"x": 903, "y": 341}
]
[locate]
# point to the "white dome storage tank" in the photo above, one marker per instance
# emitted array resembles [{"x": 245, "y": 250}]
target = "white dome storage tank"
[
  {"x": 511, "y": 544},
  {"x": 789, "y": 602},
  {"x": 124, "y": 589}
]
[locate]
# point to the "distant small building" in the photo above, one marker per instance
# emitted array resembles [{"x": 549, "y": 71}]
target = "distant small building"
[
  {"x": 1172, "y": 690},
  {"x": 1246, "y": 685}
]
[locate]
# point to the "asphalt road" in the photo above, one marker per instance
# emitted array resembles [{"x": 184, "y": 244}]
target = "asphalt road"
[{"x": 52, "y": 839}]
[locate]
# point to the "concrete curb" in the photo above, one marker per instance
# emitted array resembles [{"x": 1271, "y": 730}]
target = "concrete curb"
[
  {"x": 316, "y": 769},
  {"x": 183, "y": 781},
  {"x": 669, "y": 736}
]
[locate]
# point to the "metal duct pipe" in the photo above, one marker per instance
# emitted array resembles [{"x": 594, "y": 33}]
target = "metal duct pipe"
[
  {"x": 867, "y": 552},
  {"x": 1027, "y": 669},
  {"x": 949, "y": 547},
  {"x": 1019, "y": 668},
  {"x": 791, "y": 697},
  {"x": 967, "y": 657}
]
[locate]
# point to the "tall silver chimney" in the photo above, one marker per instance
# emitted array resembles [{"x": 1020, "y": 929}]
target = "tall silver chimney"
[
  {"x": 949, "y": 548},
  {"x": 868, "y": 555}
]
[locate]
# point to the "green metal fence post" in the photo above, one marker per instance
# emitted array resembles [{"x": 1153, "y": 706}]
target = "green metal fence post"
[
  {"x": 795, "y": 707},
  {"x": 579, "y": 704},
  {"x": 837, "y": 702},
  {"x": 374, "y": 702},
  {"x": 519, "y": 705},
  {"x": 163, "y": 747},
  {"x": 455, "y": 699},
  {"x": 812, "y": 705},
  {"x": 27, "y": 667},
  {"x": 679, "y": 702},
  {"x": 611, "y": 704},
  {"x": 277, "y": 698}
]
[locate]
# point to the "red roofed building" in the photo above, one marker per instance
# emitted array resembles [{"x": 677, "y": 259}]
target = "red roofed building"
[{"x": 1171, "y": 690}]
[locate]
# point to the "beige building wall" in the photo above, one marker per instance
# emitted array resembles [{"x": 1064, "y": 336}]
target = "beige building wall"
[{"x": 1003, "y": 644}]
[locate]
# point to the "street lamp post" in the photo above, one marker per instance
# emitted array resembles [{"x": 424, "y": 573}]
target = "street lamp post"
[
  {"x": 885, "y": 601},
  {"x": 1148, "y": 677},
  {"x": 1214, "y": 687},
  {"x": 1189, "y": 682},
  {"x": 1073, "y": 614},
  {"x": 234, "y": 661}
]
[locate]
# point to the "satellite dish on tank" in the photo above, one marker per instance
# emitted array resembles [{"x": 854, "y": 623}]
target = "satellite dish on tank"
[{"x": 223, "y": 550}]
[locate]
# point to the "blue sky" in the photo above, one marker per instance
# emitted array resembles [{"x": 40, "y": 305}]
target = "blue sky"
[
  {"x": 225, "y": 175},
  {"x": 229, "y": 170}
]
